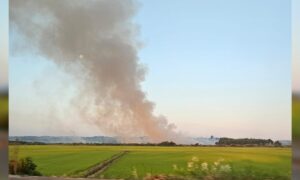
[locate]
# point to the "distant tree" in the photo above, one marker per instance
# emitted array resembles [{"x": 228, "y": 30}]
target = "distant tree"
[
  {"x": 270, "y": 141},
  {"x": 244, "y": 142},
  {"x": 277, "y": 144},
  {"x": 167, "y": 143}
]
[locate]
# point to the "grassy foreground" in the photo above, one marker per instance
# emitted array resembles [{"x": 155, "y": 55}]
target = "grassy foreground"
[
  {"x": 63, "y": 160},
  {"x": 258, "y": 163}
]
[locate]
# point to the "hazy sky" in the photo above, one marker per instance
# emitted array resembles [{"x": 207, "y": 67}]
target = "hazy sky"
[
  {"x": 214, "y": 68},
  {"x": 219, "y": 67},
  {"x": 3, "y": 42},
  {"x": 296, "y": 45}
]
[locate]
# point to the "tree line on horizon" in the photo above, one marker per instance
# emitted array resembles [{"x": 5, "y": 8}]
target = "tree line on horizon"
[
  {"x": 248, "y": 141},
  {"x": 221, "y": 142}
]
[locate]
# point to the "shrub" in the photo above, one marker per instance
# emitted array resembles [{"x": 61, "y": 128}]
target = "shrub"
[{"x": 24, "y": 166}]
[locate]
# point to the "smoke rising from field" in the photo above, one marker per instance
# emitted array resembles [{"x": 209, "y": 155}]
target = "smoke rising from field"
[{"x": 96, "y": 42}]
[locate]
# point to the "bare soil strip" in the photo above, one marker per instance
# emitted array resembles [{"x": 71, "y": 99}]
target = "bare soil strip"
[{"x": 98, "y": 169}]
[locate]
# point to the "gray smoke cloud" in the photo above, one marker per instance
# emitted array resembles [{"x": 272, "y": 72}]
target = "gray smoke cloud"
[{"x": 96, "y": 42}]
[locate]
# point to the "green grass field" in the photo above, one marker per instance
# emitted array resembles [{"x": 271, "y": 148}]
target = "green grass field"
[
  {"x": 261, "y": 163},
  {"x": 63, "y": 160}
]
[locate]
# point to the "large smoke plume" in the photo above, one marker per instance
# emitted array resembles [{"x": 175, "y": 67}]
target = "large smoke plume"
[{"x": 96, "y": 42}]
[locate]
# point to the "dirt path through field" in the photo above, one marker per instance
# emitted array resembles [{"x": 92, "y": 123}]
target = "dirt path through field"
[{"x": 98, "y": 169}]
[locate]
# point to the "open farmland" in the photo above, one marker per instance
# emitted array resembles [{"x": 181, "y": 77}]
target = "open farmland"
[
  {"x": 63, "y": 160},
  {"x": 258, "y": 163}
]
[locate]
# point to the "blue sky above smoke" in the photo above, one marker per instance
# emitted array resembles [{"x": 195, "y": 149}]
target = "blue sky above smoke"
[
  {"x": 217, "y": 64},
  {"x": 214, "y": 67}
]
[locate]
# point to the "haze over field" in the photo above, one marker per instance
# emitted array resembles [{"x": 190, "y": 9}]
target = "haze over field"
[{"x": 82, "y": 66}]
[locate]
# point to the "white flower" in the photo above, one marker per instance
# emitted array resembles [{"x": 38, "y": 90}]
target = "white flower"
[
  {"x": 195, "y": 159},
  {"x": 217, "y": 163},
  {"x": 204, "y": 166},
  {"x": 190, "y": 164},
  {"x": 225, "y": 168},
  {"x": 134, "y": 173}
]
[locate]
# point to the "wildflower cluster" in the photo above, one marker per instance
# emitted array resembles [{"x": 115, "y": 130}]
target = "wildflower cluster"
[
  {"x": 134, "y": 173},
  {"x": 203, "y": 170}
]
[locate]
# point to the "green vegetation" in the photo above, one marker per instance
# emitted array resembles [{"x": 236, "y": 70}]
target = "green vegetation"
[
  {"x": 63, "y": 160},
  {"x": 258, "y": 162},
  {"x": 296, "y": 118},
  {"x": 246, "y": 141},
  {"x": 24, "y": 166},
  {"x": 3, "y": 112},
  {"x": 160, "y": 160}
]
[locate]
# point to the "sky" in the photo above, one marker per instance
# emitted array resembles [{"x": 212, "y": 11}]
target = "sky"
[
  {"x": 296, "y": 45},
  {"x": 219, "y": 68},
  {"x": 213, "y": 68},
  {"x": 3, "y": 43}
]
